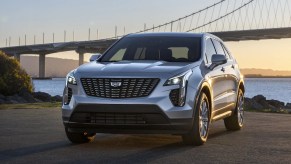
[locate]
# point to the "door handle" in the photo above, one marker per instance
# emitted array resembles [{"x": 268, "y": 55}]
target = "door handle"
[{"x": 223, "y": 69}]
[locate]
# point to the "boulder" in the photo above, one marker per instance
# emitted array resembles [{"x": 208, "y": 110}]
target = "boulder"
[
  {"x": 288, "y": 106},
  {"x": 252, "y": 104},
  {"x": 57, "y": 98},
  {"x": 2, "y": 101},
  {"x": 276, "y": 104},
  {"x": 27, "y": 96},
  {"x": 42, "y": 96},
  {"x": 262, "y": 101},
  {"x": 2, "y": 97},
  {"x": 259, "y": 98},
  {"x": 15, "y": 99}
]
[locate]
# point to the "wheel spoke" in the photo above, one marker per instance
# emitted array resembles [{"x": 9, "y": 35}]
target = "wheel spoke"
[
  {"x": 240, "y": 110},
  {"x": 203, "y": 118}
]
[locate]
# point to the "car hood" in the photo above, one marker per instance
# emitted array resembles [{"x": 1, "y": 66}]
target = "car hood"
[{"x": 133, "y": 68}]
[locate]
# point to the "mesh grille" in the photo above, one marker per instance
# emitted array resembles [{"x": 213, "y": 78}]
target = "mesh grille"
[
  {"x": 174, "y": 97},
  {"x": 109, "y": 118},
  {"x": 70, "y": 92},
  {"x": 129, "y": 87}
]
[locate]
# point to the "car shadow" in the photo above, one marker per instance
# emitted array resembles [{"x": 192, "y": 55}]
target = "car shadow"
[
  {"x": 29, "y": 150},
  {"x": 145, "y": 147}
]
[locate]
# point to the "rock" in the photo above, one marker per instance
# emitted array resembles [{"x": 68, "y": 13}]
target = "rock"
[
  {"x": 2, "y": 97},
  {"x": 276, "y": 104},
  {"x": 262, "y": 101},
  {"x": 259, "y": 98},
  {"x": 257, "y": 106},
  {"x": 15, "y": 99},
  {"x": 2, "y": 101},
  {"x": 288, "y": 106},
  {"x": 27, "y": 96},
  {"x": 252, "y": 104},
  {"x": 42, "y": 96},
  {"x": 57, "y": 98}
]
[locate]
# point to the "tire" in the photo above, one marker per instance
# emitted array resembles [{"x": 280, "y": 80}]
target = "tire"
[
  {"x": 236, "y": 120},
  {"x": 79, "y": 138},
  {"x": 199, "y": 132}
]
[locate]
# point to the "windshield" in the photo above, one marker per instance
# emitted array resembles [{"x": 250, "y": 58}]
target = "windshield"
[{"x": 159, "y": 48}]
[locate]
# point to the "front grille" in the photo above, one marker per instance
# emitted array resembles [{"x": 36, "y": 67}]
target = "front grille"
[
  {"x": 129, "y": 87},
  {"x": 109, "y": 118}
]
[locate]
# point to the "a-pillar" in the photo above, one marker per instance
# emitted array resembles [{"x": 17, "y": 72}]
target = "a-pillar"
[
  {"x": 81, "y": 58},
  {"x": 17, "y": 57},
  {"x": 41, "y": 65}
]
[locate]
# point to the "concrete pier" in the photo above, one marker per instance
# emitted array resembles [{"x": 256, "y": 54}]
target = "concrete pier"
[
  {"x": 41, "y": 65},
  {"x": 17, "y": 57},
  {"x": 81, "y": 58}
]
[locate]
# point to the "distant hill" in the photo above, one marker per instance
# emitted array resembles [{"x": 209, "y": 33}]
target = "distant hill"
[
  {"x": 254, "y": 72},
  {"x": 56, "y": 67}
]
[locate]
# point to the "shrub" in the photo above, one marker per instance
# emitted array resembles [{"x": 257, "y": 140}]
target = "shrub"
[{"x": 13, "y": 78}]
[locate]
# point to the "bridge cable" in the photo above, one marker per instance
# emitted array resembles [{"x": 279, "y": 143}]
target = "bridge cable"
[
  {"x": 218, "y": 15},
  {"x": 254, "y": 11},
  {"x": 289, "y": 12},
  {"x": 229, "y": 25},
  {"x": 278, "y": 2},
  {"x": 283, "y": 15},
  {"x": 239, "y": 16},
  {"x": 211, "y": 17},
  {"x": 176, "y": 20},
  {"x": 268, "y": 15},
  {"x": 225, "y": 17},
  {"x": 246, "y": 17},
  {"x": 222, "y": 16}
]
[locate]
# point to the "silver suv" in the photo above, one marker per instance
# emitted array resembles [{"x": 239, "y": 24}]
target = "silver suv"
[{"x": 173, "y": 83}]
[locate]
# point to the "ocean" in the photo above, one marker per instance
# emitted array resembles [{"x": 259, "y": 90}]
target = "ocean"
[{"x": 271, "y": 88}]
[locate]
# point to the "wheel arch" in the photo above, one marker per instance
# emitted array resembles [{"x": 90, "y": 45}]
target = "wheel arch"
[
  {"x": 205, "y": 88},
  {"x": 241, "y": 86}
]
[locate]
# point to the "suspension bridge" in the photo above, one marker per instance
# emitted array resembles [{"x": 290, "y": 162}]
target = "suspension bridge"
[{"x": 231, "y": 20}]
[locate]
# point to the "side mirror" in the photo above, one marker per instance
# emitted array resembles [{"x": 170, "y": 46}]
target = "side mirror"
[
  {"x": 217, "y": 59},
  {"x": 95, "y": 57}
]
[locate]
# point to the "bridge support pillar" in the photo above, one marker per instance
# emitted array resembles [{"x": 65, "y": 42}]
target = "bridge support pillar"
[
  {"x": 81, "y": 58},
  {"x": 41, "y": 66},
  {"x": 17, "y": 57}
]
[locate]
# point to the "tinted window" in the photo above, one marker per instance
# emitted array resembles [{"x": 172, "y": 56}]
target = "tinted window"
[
  {"x": 218, "y": 47},
  {"x": 172, "y": 49},
  {"x": 209, "y": 50}
]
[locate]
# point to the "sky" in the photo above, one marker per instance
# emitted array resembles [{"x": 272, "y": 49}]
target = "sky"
[{"x": 35, "y": 17}]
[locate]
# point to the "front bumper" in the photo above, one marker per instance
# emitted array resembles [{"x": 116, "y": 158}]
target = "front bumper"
[
  {"x": 155, "y": 113},
  {"x": 122, "y": 118}
]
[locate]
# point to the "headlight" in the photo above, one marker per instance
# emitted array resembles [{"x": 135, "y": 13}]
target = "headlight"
[
  {"x": 179, "y": 80},
  {"x": 178, "y": 96},
  {"x": 70, "y": 79}
]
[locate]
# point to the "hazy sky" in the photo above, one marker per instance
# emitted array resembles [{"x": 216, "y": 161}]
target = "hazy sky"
[{"x": 33, "y": 17}]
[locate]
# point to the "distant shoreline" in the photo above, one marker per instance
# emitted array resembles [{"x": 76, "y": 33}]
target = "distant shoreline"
[
  {"x": 250, "y": 76},
  {"x": 245, "y": 76}
]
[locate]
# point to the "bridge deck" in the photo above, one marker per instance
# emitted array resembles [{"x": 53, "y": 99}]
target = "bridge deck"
[{"x": 100, "y": 45}]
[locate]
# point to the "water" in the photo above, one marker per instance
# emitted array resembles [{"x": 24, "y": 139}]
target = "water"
[
  {"x": 52, "y": 87},
  {"x": 271, "y": 88}
]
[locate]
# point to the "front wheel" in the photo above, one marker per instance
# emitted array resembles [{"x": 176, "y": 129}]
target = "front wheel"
[
  {"x": 199, "y": 132},
  {"x": 78, "y": 138},
  {"x": 236, "y": 120}
]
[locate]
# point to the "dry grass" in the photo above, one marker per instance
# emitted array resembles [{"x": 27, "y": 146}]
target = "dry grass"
[{"x": 43, "y": 105}]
